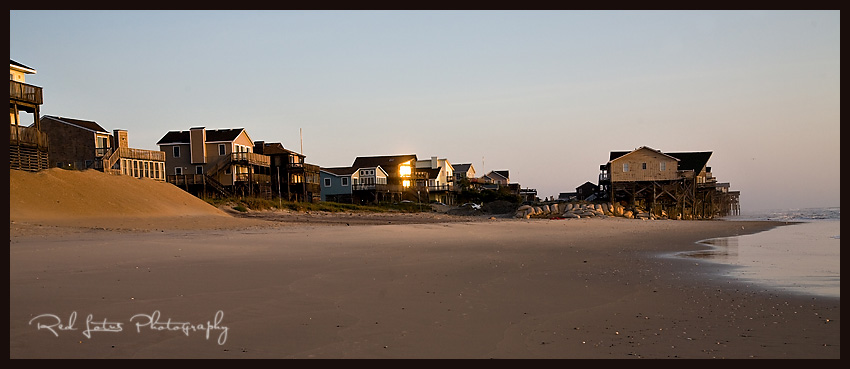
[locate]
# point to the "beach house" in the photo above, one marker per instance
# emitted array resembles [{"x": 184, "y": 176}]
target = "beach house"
[
  {"x": 295, "y": 179},
  {"x": 676, "y": 183},
  {"x": 84, "y": 144},
  {"x": 464, "y": 174},
  {"x": 215, "y": 162},
  {"x": 399, "y": 171},
  {"x": 336, "y": 184},
  {"x": 436, "y": 178},
  {"x": 28, "y": 144}
]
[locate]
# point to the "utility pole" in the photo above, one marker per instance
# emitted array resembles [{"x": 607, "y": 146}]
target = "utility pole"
[{"x": 279, "y": 196}]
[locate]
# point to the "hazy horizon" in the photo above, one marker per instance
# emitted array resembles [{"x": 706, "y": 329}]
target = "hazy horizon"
[{"x": 546, "y": 95}]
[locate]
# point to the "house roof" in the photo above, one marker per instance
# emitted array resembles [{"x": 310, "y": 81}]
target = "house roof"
[
  {"x": 21, "y": 67},
  {"x": 276, "y": 148},
  {"x": 433, "y": 173},
  {"x": 388, "y": 162},
  {"x": 500, "y": 173},
  {"x": 338, "y": 171},
  {"x": 85, "y": 124},
  {"x": 213, "y": 135},
  {"x": 461, "y": 167},
  {"x": 696, "y": 160}
]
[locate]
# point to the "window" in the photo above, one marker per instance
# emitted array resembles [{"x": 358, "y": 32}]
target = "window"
[
  {"x": 327, "y": 182},
  {"x": 345, "y": 181},
  {"x": 662, "y": 165},
  {"x": 147, "y": 169},
  {"x": 625, "y": 167},
  {"x": 199, "y": 169},
  {"x": 227, "y": 171},
  {"x": 178, "y": 171},
  {"x": 176, "y": 151},
  {"x": 221, "y": 149},
  {"x": 643, "y": 166}
]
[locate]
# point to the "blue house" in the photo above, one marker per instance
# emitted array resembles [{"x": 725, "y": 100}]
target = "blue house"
[{"x": 336, "y": 184}]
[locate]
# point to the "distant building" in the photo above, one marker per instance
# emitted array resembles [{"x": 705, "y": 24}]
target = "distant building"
[
  {"x": 586, "y": 190},
  {"x": 463, "y": 172}
]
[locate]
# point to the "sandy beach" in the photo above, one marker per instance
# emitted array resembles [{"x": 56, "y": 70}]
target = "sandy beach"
[{"x": 165, "y": 276}]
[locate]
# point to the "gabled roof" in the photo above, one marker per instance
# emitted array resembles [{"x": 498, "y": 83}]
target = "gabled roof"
[
  {"x": 696, "y": 160},
  {"x": 617, "y": 154},
  {"x": 339, "y": 171},
  {"x": 23, "y": 68},
  {"x": 388, "y": 162},
  {"x": 276, "y": 148},
  {"x": 213, "y": 135},
  {"x": 498, "y": 173},
  {"x": 461, "y": 167},
  {"x": 84, "y": 124}
]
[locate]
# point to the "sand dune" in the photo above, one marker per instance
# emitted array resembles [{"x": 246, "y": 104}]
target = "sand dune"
[
  {"x": 58, "y": 193},
  {"x": 92, "y": 199}
]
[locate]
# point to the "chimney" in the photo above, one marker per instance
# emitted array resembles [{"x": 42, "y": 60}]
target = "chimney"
[
  {"x": 433, "y": 162},
  {"x": 258, "y": 147},
  {"x": 120, "y": 138},
  {"x": 197, "y": 145}
]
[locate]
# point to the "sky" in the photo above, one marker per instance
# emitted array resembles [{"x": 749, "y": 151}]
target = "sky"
[{"x": 544, "y": 94}]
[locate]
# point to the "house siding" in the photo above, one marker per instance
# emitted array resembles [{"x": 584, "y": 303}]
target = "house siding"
[
  {"x": 336, "y": 188},
  {"x": 635, "y": 161},
  {"x": 68, "y": 144}
]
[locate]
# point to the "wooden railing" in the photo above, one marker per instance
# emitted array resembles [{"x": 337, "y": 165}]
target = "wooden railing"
[
  {"x": 24, "y": 92},
  {"x": 253, "y": 177},
  {"x": 27, "y": 135},
  {"x": 249, "y": 158},
  {"x": 130, "y": 153},
  {"x": 380, "y": 187}
]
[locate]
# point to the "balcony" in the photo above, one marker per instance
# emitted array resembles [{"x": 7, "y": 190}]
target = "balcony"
[
  {"x": 251, "y": 158},
  {"x": 253, "y": 178},
  {"x": 25, "y": 93},
  {"x": 28, "y": 136},
  {"x": 376, "y": 187}
]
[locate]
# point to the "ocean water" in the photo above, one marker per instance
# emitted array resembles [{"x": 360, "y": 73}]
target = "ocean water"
[{"x": 802, "y": 258}]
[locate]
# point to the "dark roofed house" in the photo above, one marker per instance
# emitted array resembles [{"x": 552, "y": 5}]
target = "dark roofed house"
[
  {"x": 678, "y": 183},
  {"x": 215, "y": 161},
  {"x": 399, "y": 170},
  {"x": 298, "y": 180},
  {"x": 84, "y": 144},
  {"x": 585, "y": 190}
]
